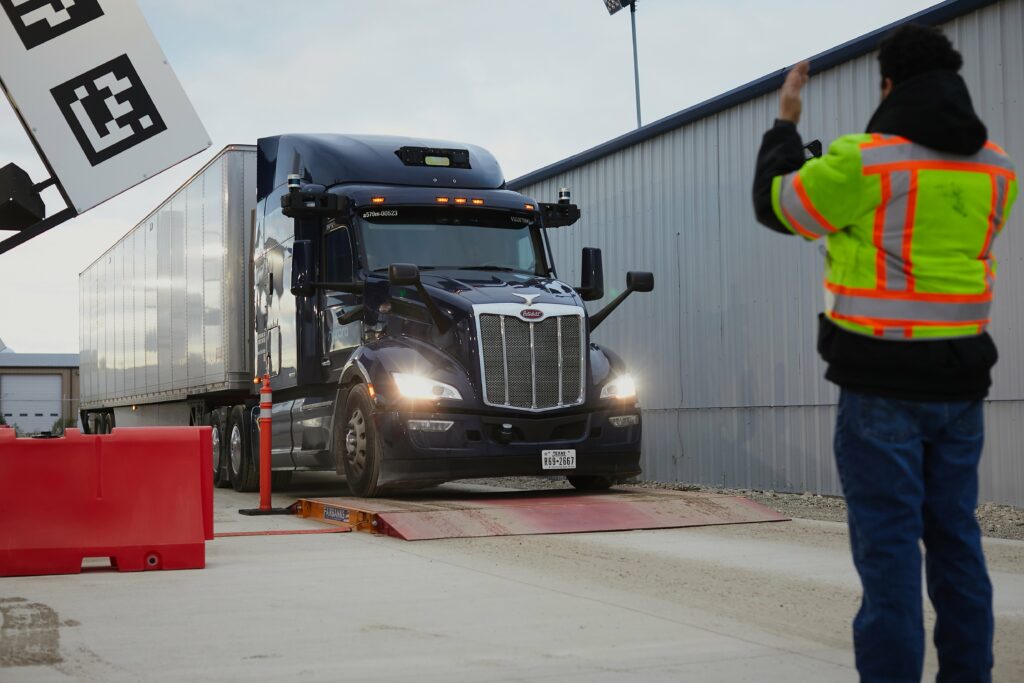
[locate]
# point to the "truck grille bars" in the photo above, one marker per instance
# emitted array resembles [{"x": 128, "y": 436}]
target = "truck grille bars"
[{"x": 531, "y": 365}]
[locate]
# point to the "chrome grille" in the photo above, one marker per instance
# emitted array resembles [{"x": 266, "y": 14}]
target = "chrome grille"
[{"x": 531, "y": 365}]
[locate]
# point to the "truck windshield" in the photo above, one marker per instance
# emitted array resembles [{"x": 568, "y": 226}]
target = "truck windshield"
[{"x": 440, "y": 246}]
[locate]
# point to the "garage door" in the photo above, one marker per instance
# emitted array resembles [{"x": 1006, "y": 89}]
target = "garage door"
[{"x": 31, "y": 402}]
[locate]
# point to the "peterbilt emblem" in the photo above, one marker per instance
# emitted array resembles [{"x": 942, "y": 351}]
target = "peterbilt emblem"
[
  {"x": 531, "y": 314},
  {"x": 527, "y": 298}
]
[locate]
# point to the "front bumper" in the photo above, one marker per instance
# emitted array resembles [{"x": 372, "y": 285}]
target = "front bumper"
[{"x": 483, "y": 446}]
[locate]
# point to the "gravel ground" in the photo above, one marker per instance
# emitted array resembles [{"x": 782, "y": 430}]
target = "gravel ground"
[{"x": 997, "y": 521}]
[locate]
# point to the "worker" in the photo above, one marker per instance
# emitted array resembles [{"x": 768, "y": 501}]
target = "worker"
[{"x": 909, "y": 211}]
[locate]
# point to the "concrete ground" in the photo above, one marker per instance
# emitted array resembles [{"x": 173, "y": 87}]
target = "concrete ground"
[{"x": 762, "y": 602}]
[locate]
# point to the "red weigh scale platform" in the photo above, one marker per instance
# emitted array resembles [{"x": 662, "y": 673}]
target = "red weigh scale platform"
[{"x": 515, "y": 513}]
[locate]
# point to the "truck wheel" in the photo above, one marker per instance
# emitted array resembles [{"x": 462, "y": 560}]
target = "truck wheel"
[
  {"x": 102, "y": 424},
  {"x": 361, "y": 453},
  {"x": 244, "y": 475},
  {"x": 590, "y": 483},
  {"x": 220, "y": 471}
]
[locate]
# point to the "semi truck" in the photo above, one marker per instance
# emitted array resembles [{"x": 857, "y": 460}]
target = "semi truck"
[{"x": 404, "y": 303}]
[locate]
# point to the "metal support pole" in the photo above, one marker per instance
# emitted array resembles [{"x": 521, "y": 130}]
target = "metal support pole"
[
  {"x": 37, "y": 229},
  {"x": 636, "y": 63}
]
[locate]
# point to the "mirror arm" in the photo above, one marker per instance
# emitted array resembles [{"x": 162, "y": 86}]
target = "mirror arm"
[
  {"x": 439, "y": 320},
  {"x": 599, "y": 317}
]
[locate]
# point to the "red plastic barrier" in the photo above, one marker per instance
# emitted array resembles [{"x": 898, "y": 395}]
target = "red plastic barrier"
[{"x": 141, "y": 497}]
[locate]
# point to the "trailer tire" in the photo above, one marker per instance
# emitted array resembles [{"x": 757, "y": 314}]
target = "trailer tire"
[
  {"x": 591, "y": 483},
  {"x": 355, "y": 438},
  {"x": 244, "y": 475},
  {"x": 221, "y": 477},
  {"x": 102, "y": 423}
]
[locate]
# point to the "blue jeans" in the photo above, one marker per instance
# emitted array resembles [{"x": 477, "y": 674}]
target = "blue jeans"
[{"x": 909, "y": 471}]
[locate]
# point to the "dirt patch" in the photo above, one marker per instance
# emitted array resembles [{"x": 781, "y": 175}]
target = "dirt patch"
[
  {"x": 997, "y": 521},
  {"x": 29, "y": 634}
]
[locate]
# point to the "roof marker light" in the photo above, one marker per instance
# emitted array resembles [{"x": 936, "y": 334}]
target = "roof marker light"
[
  {"x": 477, "y": 202},
  {"x": 377, "y": 200},
  {"x": 442, "y": 200},
  {"x": 460, "y": 200},
  {"x": 529, "y": 207}
]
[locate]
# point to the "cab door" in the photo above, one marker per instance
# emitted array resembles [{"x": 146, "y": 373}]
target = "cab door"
[
  {"x": 338, "y": 265},
  {"x": 313, "y": 414}
]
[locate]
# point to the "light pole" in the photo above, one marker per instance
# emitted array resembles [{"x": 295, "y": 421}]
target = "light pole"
[{"x": 613, "y": 7}]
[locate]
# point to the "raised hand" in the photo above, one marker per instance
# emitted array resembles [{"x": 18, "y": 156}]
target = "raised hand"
[{"x": 790, "y": 102}]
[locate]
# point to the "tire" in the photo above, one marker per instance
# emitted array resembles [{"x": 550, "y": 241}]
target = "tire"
[
  {"x": 280, "y": 480},
  {"x": 356, "y": 444},
  {"x": 245, "y": 477},
  {"x": 102, "y": 423},
  {"x": 221, "y": 477},
  {"x": 591, "y": 483}
]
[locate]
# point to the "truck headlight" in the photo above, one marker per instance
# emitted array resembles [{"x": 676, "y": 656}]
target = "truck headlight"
[
  {"x": 418, "y": 386},
  {"x": 622, "y": 386}
]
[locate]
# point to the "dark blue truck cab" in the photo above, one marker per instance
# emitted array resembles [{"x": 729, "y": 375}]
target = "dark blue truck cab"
[{"x": 409, "y": 314}]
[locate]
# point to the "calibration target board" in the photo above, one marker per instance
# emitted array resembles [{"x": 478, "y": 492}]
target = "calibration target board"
[{"x": 94, "y": 91}]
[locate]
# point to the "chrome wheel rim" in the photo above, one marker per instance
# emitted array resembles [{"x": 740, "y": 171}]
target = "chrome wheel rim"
[
  {"x": 236, "y": 448},
  {"x": 355, "y": 442},
  {"x": 215, "y": 439}
]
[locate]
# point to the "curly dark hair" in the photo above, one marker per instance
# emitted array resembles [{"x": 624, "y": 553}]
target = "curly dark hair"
[{"x": 912, "y": 49}]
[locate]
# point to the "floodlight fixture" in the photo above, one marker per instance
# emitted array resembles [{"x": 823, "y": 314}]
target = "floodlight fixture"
[{"x": 615, "y": 5}]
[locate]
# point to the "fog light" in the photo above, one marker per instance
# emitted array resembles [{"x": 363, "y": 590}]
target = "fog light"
[
  {"x": 624, "y": 420},
  {"x": 430, "y": 425}
]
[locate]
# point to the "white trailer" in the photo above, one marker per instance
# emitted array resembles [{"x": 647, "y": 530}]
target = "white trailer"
[{"x": 165, "y": 313}]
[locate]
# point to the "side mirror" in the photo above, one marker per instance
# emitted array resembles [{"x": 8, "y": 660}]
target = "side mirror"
[
  {"x": 408, "y": 275},
  {"x": 404, "y": 274},
  {"x": 639, "y": 281},
  {"x": 302, "y": 268},
  {"x": 591, "y": 275},
  {"x": 636, "y": 281}
]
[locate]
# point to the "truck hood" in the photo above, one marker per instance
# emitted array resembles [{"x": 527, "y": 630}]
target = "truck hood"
[{"x": 466, "y": 288}]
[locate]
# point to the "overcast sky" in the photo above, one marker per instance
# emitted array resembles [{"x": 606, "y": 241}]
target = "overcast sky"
[{"x": 534, "y": 81}]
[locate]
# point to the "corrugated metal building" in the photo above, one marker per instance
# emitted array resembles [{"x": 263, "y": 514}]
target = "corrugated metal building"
[{"x": 732, "y": 385}]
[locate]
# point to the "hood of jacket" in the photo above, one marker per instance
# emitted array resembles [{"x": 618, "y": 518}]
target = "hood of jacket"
[{"x": 932, "y": 109}]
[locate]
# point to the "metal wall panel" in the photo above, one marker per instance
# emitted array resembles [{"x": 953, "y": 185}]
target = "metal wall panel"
[
  {"x": 724, "y": 347},
  {"x": 164, "y": 311}
]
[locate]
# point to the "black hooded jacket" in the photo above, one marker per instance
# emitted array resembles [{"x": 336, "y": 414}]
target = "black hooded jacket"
[{"x": 932, "y": 109}]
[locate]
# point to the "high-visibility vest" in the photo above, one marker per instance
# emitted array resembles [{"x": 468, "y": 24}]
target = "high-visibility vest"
[{"x": 909, "y": 232}]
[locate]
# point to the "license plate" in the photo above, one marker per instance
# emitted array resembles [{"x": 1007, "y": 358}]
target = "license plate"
[{"x": 558, "y": 460}]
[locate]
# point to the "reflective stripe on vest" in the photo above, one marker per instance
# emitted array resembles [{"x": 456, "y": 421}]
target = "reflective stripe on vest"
[
  {"x": 893, "y": 308},
  {"x": 799, "y": 210}
]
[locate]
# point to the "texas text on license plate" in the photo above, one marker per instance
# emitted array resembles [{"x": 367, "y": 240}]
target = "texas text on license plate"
[{"x": 558, "y": 460}]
